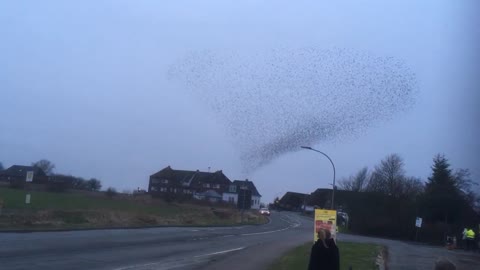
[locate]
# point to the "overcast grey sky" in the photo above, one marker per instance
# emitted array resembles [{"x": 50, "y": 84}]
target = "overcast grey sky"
[{"x": 85, "y": 85}]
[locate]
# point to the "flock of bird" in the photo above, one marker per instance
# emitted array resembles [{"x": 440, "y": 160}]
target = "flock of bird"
[{"x": 271, "y": 102}]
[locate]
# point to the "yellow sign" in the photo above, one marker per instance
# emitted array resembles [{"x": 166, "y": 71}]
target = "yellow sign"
[{"x": 327, "y": 220}]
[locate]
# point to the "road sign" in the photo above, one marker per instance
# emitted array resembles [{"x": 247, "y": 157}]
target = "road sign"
[
  {"x": 27, "y": 199},
  {"x": 29, "y": 176},
  {"x": 418, "y": 222},
  {"x": 327, "y": 220}
]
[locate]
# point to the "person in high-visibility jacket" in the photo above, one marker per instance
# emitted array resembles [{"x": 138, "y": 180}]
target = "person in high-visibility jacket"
[{"x": 470, "y": 235}]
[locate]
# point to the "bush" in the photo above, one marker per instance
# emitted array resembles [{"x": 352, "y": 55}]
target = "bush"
[
  {"x": 111, "y": 192},
  {"x": 16, "y": 183},
  {"x": 57, "y": 186}
]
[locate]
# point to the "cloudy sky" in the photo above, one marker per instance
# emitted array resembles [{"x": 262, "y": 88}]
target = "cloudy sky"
[{"x": 86, "y": 86}]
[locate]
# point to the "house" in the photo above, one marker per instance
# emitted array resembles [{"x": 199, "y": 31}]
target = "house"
[
  {"x": 209, "y": 195},
  {"x": 18, "y": 173},
  {"x": 293, "y": 201},
  {"x": 241, "y": 189},
  {"x": 188, "y": 183}
]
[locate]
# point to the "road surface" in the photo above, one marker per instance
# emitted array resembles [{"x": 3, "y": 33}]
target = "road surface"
[
  {"x": 242, "y": 247},
  {"x": 232, "y": 248}
]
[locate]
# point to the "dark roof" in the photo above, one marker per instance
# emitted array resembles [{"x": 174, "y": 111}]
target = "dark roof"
[
  {"x": 21, "y": 171},
  {"x": 192, "y": 178},
  {"x": 293, "y": 196},
  {"x": 250, "y": 186},
  {"x": 294, "y": 199}
]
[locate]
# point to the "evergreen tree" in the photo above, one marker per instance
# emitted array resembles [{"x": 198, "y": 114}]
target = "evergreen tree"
[{"x": 443, "y": 200}]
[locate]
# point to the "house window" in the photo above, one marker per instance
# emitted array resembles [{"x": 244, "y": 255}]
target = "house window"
[
  {"x": 231, "y": 199},
  {"x": 232, "y": 189},
  {"x": 206, "y": 185},
  {"x": 163, "y": 189},
  {"x": 164, "y": 181},
  {"x": 153, "y": 188},
  {"x": 216, "y": 186}
]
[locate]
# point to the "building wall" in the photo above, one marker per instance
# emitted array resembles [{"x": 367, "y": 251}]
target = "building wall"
[
  {"x": 256, "y": 202},
  {"x": 230, "y": 197}
]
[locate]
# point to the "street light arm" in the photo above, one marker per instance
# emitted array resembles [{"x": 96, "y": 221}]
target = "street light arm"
[
  {"x": 333, "y": 165},
  {"x": 318, "y": 151}
]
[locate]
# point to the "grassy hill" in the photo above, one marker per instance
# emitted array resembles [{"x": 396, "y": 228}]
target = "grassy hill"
[{"x": 49, "y": 210}]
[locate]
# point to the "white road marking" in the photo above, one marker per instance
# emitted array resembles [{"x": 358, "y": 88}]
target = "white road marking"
[
  {"x": 247, "y": 234},
  {"x": 164, "y": 265},
  {"x": 220, "y": 252}
]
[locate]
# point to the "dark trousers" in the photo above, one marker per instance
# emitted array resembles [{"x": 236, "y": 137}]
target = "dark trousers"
[{"x": 470, "y": 244}]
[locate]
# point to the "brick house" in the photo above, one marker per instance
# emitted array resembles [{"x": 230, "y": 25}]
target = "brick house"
[
  {"x": 18, "y": 174},
  {"x": 201, "y": 185}
]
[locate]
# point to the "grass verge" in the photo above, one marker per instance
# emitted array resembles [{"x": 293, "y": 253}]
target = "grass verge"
[
  {"x": 357, "y": 255},
  {"x": 49, "y": 210}
]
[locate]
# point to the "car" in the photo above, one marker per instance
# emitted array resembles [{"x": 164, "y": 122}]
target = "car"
[{"x": 265, "y": 211}]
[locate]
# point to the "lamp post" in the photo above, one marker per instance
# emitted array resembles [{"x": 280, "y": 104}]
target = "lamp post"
[{"x": 333, "y": 165}]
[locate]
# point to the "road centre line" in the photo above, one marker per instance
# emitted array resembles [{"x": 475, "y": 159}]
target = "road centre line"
[
  {"x": 220, "y": 252},
  {"x": 247, "y": 234}
]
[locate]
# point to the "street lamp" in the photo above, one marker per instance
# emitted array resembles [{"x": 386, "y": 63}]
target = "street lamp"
[{"x": 333, "y": 165}]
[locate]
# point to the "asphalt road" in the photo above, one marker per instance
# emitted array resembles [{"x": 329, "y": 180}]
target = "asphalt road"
[
  {"x": 243, "y": 247},
  {"x": 232, "y": 248}
]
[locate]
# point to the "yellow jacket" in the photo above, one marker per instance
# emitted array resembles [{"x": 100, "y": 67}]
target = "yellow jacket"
[{"x": 470, "y": 234}]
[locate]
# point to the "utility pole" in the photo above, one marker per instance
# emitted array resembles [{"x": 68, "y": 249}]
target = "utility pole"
[{"x": 244, "y": 188}]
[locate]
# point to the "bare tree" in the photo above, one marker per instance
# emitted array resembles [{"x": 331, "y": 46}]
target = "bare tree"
[
  {"x": 412, "y": 187},
  {"x": 463, "y": 182},
  {"x": 358, "y": 182},
  {"x": 388, "y": 176},
  {"x": 46, "y": 166}
]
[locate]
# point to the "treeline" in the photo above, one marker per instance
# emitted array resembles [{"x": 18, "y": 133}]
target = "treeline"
[
  {"x": 385, "y": 201},
  {"x": 60, "y": 182}
]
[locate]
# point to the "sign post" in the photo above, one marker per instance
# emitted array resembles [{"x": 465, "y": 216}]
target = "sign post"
[
  {"x": 418, "y": 224},
  {"x": 326, "y": 220},
  {"x": 29, "y": 176},
  {"x": 28, "y": 179}
]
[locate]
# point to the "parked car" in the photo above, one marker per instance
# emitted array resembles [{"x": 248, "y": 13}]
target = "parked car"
[{"x": 265, "y": 211}]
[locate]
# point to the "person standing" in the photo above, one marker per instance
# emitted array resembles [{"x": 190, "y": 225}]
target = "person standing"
[
  {"x": 320, "y": 255},
  {"x": 470, "y": 239},
  {"x": 464, "y": 238},
  {"x": 334, "y": 252}
]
